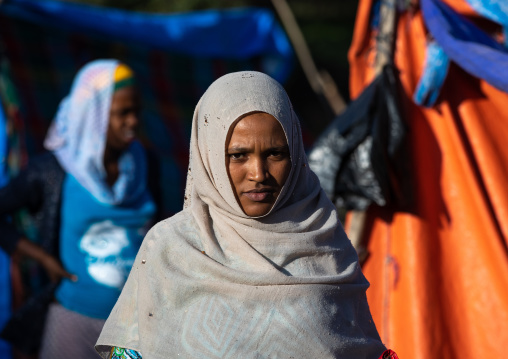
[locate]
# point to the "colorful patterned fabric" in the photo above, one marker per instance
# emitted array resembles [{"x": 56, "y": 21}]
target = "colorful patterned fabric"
[
  {"x": 43, "y": 49},
  {"x": 121, "y": 353},
  {"x": 389, "y": 354}
]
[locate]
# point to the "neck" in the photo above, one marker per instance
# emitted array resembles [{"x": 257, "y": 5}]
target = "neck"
[{"x": 111, "y": 157}]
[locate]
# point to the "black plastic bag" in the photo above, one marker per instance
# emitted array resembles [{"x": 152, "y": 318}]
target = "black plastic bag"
[{"x": 361, "y": 158}]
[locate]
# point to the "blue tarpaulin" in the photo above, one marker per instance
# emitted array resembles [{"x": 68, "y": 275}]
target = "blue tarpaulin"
[{"x": 235, "y": 33}]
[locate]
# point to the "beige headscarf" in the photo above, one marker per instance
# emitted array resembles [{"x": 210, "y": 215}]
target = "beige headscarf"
[{"x": 212, "y": 282}]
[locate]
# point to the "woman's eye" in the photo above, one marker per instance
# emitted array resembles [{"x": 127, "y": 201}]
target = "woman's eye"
[
  {"x": 278, "y": 154},
  {"x": 236, "y": 156}
]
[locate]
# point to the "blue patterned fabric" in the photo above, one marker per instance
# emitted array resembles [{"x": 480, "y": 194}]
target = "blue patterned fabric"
[
  {"x": 98, "y": 244},
  {"x": 121, "y": 353}
]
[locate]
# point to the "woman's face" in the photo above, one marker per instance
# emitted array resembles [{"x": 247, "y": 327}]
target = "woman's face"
[
  {"x": 123, "y": 118},
  {"x": 258, "y": 162}
]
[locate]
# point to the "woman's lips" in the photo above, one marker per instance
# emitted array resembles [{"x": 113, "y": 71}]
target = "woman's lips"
[
  {"x": 258, "y": 195},
  {"x": 129, "y": 135}
]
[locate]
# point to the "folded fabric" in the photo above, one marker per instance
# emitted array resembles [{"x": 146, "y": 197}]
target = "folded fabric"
[{"x": 467, "y": 45}]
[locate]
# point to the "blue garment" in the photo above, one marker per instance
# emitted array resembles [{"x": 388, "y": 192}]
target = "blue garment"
[
  {"x": 5, "y": 283},
  {"x": 467, "y": 45},
  {"x": 495, "y": 10},
  {"x": 98, "y": 243}
]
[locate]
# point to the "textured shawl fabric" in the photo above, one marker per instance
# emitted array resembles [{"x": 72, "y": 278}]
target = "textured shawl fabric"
[
  {"x": 77, "y": 137},
  {"x": 212, "y": 282}
]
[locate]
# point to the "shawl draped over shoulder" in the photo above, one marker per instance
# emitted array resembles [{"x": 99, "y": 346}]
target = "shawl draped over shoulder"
[{"x": 212, "y": 282}]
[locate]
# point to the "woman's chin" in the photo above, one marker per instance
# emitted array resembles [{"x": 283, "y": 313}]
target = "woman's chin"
[{"x": 257, "y": 209}]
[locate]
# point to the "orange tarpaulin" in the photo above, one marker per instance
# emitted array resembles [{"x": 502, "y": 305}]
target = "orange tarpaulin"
[{"x": 439, "y": 275}]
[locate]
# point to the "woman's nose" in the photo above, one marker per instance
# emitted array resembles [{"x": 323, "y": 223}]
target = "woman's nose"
[{"x": 257, "y": 170}]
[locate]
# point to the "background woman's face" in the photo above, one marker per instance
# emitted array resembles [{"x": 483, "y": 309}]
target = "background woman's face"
[
  {"x": 258, "y": 162},
  {"x": 123, "y": 118}
]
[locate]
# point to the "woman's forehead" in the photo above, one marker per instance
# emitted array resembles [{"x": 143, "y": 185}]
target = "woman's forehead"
[{"x": 258, "y": 124}]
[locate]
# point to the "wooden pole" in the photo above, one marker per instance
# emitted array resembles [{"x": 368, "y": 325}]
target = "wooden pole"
[{"x": 321, "y": 82}]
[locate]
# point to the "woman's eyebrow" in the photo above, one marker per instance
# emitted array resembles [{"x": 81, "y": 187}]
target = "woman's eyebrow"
[
  {"x": 245, "y": 149},
  {"x": 279, "y": 148},
  {"x": 237, "y": 149}
]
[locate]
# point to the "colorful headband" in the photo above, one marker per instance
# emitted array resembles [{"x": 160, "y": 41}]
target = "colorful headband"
[{"x": 123, "y": 77}]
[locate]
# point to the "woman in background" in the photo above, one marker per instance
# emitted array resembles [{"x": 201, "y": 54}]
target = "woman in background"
[
  {"x": 257, "y": 265},
  {"x": 91, "y": 195}
]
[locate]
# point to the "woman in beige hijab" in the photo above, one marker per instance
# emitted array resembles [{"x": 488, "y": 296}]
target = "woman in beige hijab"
[{"x": 257, "y": 265}]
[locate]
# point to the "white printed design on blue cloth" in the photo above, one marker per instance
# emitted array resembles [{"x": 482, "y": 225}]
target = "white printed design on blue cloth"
[{"x": 103, "y": 243}]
